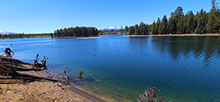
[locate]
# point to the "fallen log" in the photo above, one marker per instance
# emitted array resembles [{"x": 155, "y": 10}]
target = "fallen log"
[{"x": 7, "y": 69}]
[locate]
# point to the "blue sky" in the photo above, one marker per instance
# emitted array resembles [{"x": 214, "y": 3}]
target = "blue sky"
[{"x": 36, "y": 16}]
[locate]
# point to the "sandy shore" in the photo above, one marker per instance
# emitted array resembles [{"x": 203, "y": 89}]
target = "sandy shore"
[
  {"x": 160, "y": 35},
  {"x": 38, "y": 92},
  {"x": 29, "y": 85}
]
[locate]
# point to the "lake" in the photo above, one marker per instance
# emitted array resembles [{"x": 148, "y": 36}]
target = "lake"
[{"x": 186, "y": 69}]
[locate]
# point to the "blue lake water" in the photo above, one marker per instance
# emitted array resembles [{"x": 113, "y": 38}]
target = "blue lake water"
[{"x": 186, "y": 69}]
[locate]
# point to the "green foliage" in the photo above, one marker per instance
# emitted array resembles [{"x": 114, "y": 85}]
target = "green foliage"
[
  {"x": 164, "y": 26},
  {"x": 131, "y": 30},
  {"x": 189, "y": 22},
  {"x": 213, "y": 21},
  {"x": 180, "y": 26},
  {"x": 111, "y": 32},
  {"x": 172, "y": 25},
  {"x": 178, "y": 13},
  {"x": 141, "y": 29},
  {"x": 201, "y": 23},
  {"x": 126, "y": 29},
  {"x": 137, "y": 29},
  {"x": 76, "y": 32},
  {"x": 158, "y": 26},
  {"x": 180, "y": 23},
  {"x": 153, "y": 28},
  {"x": 12, "y": 36}
]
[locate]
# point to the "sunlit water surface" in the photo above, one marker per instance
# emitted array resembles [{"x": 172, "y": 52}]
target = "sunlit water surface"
[{"x": 186, "y": 69}]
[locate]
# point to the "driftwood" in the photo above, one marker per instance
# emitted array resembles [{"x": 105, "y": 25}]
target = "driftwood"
[
  {"x": 44, "y": 61},
  {"x": 36, "y": 60},
  {"x": 9, "y": 68},
  {"x": 66, "y": 78},
  {"x": 6, "y": 69},
  {"x": 42, "y": 64},
  {"x": 151, "y": 95},
  {"x": 80, "y": 75},
  {"x": 9, "y": 52}
]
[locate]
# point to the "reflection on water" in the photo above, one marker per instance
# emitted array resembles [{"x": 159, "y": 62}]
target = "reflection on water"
[
  {"x": 120, "y": 68},
  {"x": 139, "y": 44},
  {"x": 207, "y": 47}
]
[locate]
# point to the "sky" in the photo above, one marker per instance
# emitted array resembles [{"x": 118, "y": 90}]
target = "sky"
[{"x": 45, "y": 16}]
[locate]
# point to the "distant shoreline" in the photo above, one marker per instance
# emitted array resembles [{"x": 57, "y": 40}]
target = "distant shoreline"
[
  {"x": 90, "y": 37},
  {"x": 48, "y": 36},
  {"x": 95, "y": 37},
  {"x": 174, "y": 35}
]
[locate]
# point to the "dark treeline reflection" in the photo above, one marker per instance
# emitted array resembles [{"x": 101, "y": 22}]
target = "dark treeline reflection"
[
  {"x": 207, "y": 47},
  {"x": 138, "y": 44}
]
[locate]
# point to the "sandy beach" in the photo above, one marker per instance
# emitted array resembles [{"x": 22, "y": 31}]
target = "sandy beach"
[{"x": 30, "y": 85}]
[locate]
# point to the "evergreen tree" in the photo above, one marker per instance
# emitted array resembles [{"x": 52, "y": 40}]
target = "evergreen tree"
[
  {"x": 142, "y": 29},
  {"x": 180, "y": 26},
  {"x": 157, "y": 29},
  {"x": 213, "y": 22},
  {"x": 146, "y": 29},
  {"x": 131, "y": 30},
  {"x": 190, "y": 22},
  {"x": 153, "y": 28},
  {"x": 137, "y": 30},
  {"x": 164, "y": 25},
  {"x": 201, "y": 23},
  {"x": 178, "y": 13},
  {"x": 213, "y": 19},
  {"x": 172, "y": 25},
  {"x": 126, "y": 29}
]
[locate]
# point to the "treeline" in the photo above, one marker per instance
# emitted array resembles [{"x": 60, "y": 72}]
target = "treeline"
[
  {"x": 180, "y": 23},
  {"x": 11, "y": 36},
  {"x": 112, "y": 31},
  {"x": 141, "y": 29},
  {"x": 76, "y": 32}
]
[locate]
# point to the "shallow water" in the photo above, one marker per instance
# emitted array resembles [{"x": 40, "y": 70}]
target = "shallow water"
[{"x": 186, "y": 69}]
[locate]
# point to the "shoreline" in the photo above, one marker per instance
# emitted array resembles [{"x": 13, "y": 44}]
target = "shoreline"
[
  {"x": 89, "y": 37},
  {"x": 43, "y": 36},
  {"x": 38, "y": 86},
  {"x": 170, "y": 35},
  {"x": 96, "y": 37}
]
